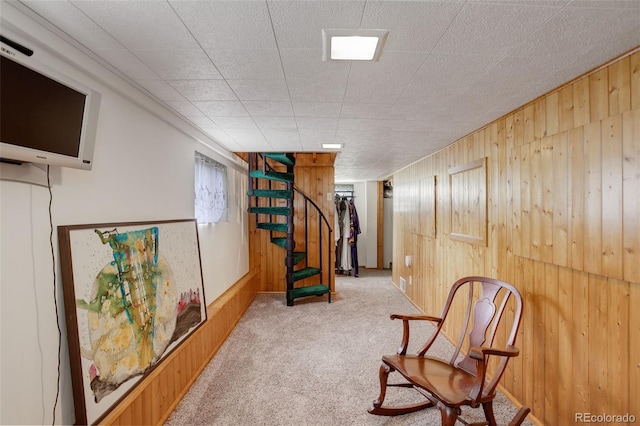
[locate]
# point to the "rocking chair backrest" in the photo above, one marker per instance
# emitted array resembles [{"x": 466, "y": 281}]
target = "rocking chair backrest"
[{"x": 482, "y": 319}]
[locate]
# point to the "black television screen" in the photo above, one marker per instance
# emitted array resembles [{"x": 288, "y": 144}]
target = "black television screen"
[
  {"x": 38, "y": 112},
  {"x": 45, "y": 116}
]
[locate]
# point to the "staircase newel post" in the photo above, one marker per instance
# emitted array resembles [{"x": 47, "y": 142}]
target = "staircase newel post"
[
  {"x": 329, "y": 259},
  {"x": 250, "y": 191},
  {"x": 290, "y": 240},
  {"x": 252, "y": 183},
  {"x": 320, "y": 244}
]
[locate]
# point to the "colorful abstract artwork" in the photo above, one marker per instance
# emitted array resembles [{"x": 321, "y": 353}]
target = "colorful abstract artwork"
[{"x": 135, "y": 292}]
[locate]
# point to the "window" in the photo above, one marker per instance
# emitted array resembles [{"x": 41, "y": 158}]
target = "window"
[{"x": 211, "y": 190}]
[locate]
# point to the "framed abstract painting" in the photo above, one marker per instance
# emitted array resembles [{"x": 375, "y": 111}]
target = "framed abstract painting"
[{"x": 133, "y": 292}]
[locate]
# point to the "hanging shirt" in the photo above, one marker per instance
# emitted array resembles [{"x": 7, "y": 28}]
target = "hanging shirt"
[
  {"x": 345, "y": 259},
  {"x": 354, "y": 224}
]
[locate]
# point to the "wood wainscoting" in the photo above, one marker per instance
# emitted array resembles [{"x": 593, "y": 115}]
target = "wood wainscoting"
[
  {"x": 154, "y": 399},
  {"x": 557, "y": 214}
]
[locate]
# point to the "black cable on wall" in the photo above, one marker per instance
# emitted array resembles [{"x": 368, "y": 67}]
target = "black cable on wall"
[{"x": 55, "y": 293}]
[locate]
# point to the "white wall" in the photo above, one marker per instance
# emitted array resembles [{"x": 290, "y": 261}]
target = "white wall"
[
  {"x": 372, "y": 224},
  {"x": 143, "y": 170},
  {"x": 387, "y": 209}
]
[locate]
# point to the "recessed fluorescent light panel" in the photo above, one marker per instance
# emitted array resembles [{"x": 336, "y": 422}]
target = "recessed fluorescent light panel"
[
  {"x": 353, "y": 45},
  {"x": 353, "y": 48},
  {"x": 332, "y": 145}
]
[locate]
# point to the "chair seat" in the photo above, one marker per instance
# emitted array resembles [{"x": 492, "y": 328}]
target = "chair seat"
[{"x": 448, "y": 383}]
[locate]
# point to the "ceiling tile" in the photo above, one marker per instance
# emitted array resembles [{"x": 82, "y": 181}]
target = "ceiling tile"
[
  {"x": 185, "y": 108},
  {"x": 127, "y": 63},
  {"x": 317, "y": 109},
  {"x": 250, "y": 140},
  {"x": 224, "y": 139},
  {"x": 179, "y": 64},
  {"x": 204, "y": 122},
  {"x": 492, "y": 29},
  {"x": 299, "y": 24},
  {"x": 442, "y": 75},
  {"x": 365, "y": 110},
  {"x": 260, "y": 90},
  {"x": 227, "y": 24},
  {"x": 509, "y": 76},
  {"x": 415, "y": 26},
  {"x": 289, "y": 146},
  {"x": 221, "y": 108},
  {"x": 162, "y": 90},
  {"x": 268, "y": 108},
  {"x": 246, "y": 136},
  {"x": 360, "y": 92},
  {"x": 630, "y": 4},
  {"x": 235, "y": 122},
  {"x": 326, "y": 89},
  {"x": 557, "y": 3},
  {"x": 410, "y": 112},
  {"x": 574, "y": 31},
  {"x": 300, "y": 64},
  {"x": 247, "y": 64},
  {"x": 66, "y": 15},
  {"x": 366, "y": 124},
  {"x": 256, "y": 146},
  {"x": 312, "y": 140},
  {"x": 394, "y": 67},
  {"x": 317, "y": 123},
  {"x": 288, "y": 138},
  {"x": 209, "y": 129},
  {"x": 150, "y": 25},
  {"x": 288, "y": 123},
  {"x": 204, "y": 90}
]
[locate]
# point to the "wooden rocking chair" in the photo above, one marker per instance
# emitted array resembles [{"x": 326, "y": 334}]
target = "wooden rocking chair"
[{"x": 448, "y": 385}]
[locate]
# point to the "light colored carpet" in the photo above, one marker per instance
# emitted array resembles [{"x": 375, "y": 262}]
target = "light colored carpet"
[{"x": 314, "y": 363}]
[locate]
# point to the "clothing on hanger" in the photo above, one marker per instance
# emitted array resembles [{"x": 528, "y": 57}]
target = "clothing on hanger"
[
  {"x": 354, "y": 230},
  {"x": 347, "y": 230}
]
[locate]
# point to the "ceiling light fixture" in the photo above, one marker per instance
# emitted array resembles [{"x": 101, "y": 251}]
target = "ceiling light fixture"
[
  {"x": 353, "y": 45},
  {"x": 332, "y": 145}
]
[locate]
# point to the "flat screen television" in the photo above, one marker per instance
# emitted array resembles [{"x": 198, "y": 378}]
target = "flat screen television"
[{"x": 45, "y": 116}]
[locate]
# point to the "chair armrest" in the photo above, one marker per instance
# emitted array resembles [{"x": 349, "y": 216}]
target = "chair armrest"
[
  {"x": 402, "y": 350},
  {"x": 412, "y": 317},
  {"x": 479, "y": 352}
]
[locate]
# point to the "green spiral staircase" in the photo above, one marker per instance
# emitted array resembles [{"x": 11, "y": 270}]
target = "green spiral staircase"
[{"x": 268, "y": 190}]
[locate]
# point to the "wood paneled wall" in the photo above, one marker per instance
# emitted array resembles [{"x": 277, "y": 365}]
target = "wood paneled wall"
[
  {"x": 314, "y": 175},
  {"x": 563, "y": 225}
]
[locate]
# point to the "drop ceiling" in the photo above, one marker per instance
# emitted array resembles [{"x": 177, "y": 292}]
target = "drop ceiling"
[{"x": 250, "y": 73}]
